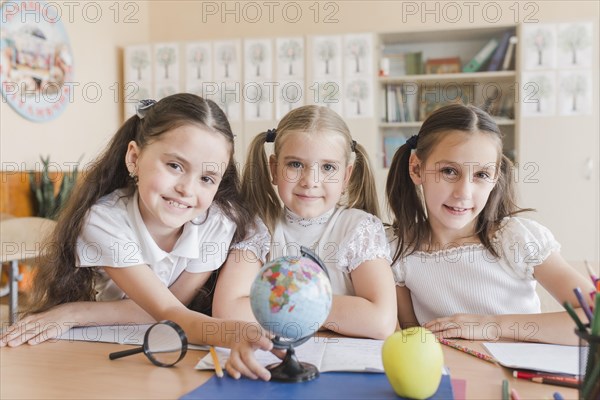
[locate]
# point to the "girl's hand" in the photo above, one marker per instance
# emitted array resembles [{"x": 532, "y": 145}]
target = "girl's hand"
[
  {"x": 465, "y": 326},
  {"x": 241, "y": 360},
  {"x": 38, "y": 328}
]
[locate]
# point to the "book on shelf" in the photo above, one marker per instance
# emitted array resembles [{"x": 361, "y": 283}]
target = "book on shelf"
[
  {"x": 497, "y": 59},
  {"x": 482, "y": 56},
  {"x": 449, "y": 65},
  {"x": 508, "y": 62},
  {"x": 435, "y": 97},
  {"x": 399, "y": 104},
  {"x": 414, "y": 63}
]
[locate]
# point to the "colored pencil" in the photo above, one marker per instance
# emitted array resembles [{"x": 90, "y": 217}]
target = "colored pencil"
[
  {"x": 555, "y": 382},
  {"x": 584, "y": 305},
  {"x": 557, "y": 396},
  {"x": 505, "y": 390},
  {"x": 574, "y": 316},
  {"x": 531, "y": 375},
  {"x": 218, "y": 369},
  {"x": 593, "y": 276},
  {"x": 472, "y": 352}
]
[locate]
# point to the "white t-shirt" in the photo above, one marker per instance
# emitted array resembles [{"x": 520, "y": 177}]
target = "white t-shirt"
[
  {"x": 114, "y": 235},
  {"x": 469, "y": 279},
  {"x": 343, "y": 238}
]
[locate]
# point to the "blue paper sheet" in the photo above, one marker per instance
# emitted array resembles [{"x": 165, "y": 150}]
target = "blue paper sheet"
[{"x": 329, "y": 385}]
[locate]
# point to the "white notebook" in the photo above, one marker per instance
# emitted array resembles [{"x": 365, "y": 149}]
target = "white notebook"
[
  {"x": 327, "y": 354},
  {"x": 550, "y": 358}
]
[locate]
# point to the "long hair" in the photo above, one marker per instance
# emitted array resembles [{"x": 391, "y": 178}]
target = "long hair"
[
  {"x": 58, "y": 280},
  {"x": 410, "y": 223},
  {"x": 258, "y": 192}
]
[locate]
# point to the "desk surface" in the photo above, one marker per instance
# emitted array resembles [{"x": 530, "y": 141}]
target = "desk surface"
[{"x": 82, "y": 370}]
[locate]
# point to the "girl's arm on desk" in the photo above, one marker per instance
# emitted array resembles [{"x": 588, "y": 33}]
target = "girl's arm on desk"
[
  {"x": 559, "y": 279},
  {"x": 39, "y": 327},
  {"x": 371, "y": 312}
]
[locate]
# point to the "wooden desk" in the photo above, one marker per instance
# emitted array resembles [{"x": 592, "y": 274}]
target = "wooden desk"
[{"x": 82, "y": 370}]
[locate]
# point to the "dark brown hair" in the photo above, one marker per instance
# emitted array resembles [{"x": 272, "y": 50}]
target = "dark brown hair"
[
  {"x": 58, "y": 280},
  {"x": 410, "y": 223}
]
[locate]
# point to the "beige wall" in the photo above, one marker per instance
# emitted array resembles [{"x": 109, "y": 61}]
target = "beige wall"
[{"x": 84, "y": 127}]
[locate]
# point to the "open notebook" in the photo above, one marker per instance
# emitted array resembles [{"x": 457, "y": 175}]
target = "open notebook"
[
  {"x": 327, "y": 354},
  {"x": 550, "y": 358}
]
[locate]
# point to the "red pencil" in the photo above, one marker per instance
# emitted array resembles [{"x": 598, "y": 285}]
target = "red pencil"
[{"x": 558, "y": 380}]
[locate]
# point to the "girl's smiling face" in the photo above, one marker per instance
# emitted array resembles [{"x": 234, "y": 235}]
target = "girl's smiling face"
[
  {"x": 178, "y": 176},
  {"x": 457, "y": 178},
  {"x": 311, "y": 172}
]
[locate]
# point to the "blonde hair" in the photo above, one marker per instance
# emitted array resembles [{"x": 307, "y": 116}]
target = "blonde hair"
[{"x": 258, "y": 192}]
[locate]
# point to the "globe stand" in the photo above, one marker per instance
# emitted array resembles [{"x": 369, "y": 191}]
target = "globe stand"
[{"x": 292, "y": 370}]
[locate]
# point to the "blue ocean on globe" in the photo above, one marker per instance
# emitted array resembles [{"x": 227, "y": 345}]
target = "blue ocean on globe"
[{"x": 291, "y": 297}]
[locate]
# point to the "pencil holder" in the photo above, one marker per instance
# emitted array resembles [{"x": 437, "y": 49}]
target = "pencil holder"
[{"x": 589, "y": 365}]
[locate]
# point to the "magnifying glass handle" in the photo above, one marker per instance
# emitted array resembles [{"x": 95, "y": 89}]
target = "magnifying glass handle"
[{"x": 125, "y": 353}]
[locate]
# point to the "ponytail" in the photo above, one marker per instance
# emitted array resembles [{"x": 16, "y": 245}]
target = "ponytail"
[
  {"x": 410, "y": 220},
  {"x": 58, "y": 280},
  {"x": 362, "y": 191},
  {"x": 257, "y": 191}
]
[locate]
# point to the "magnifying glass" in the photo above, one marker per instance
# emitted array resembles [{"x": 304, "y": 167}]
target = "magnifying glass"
[{"x": 165, "y": 344}]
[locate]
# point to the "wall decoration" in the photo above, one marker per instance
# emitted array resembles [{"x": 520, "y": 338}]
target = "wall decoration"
[
  {"x": 574, "y": 45},
  {"x": 138, "y": 76},
  {"x": 37, "y": 61},
  {"x": 198, "y": 64},
  {"x": 539, "y": 93},
  {"x": 258, "y": 70},
  {"x": 226, "y": 60},
  {"x": 539, "y": 46},
  {"x": 575, "y": 88},
  {"x": 290, "y": 58},
  {"x": 358, "y": 70}
]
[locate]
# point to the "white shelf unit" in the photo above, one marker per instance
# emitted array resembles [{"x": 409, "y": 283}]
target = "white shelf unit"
[{"x": 426, "y": 91}]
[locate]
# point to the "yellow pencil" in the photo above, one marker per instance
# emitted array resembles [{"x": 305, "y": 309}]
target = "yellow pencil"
[
  {"x": 467, "y": 350},
  {"x": 218, "y": 369}
]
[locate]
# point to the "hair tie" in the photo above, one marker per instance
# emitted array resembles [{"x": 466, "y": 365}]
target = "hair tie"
[
  {"x": 353, "y": 146},
  {"x": 412, "y": 142},
  {"x": 271, "y": 133},
  {"x": 142, "y": 107}
]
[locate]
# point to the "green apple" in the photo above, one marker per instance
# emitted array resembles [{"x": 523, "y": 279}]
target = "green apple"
[{"x": 413, "y": 361}]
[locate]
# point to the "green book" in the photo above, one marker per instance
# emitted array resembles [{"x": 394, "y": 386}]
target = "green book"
[{"x": 482, "y": 56}]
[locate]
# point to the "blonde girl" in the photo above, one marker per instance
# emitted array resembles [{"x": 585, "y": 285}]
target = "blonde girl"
[
  {"x": 326, "y": 201},
  {"x": 464, "y": 264}
]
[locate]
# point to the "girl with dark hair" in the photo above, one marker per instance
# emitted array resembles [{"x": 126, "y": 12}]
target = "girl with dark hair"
[
  {"x": 465, "y": 266},
  {"x": 140, "y": 236}
]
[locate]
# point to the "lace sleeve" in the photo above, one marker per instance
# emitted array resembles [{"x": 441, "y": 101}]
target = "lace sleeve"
[
  {"x": 368, "y": 242},
  {"x": 257, "y": 240}
]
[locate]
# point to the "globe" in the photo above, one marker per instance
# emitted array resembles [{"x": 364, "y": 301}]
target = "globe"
[{"x": 291, "y": 298}]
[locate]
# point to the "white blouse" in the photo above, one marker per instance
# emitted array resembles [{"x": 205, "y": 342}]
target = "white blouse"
[
  {"x": 114, "y": 235},
  {"x": 469, "y": 279},
  {"x": 343, "y": 239}
]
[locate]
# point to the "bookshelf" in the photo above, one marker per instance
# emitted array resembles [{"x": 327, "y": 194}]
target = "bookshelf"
[{"x": 407, "y": 94}]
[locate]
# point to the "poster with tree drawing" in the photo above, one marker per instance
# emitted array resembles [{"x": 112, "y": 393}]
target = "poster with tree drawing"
[
  {"x": 258, "y": 101},
  {"x": 358, "y": 55},
  {"x": 290, "y": 95},
  {"x": 290, "y": 57},
  {"x": 138, "y": 63},
  {"x": 574, "y": 45},
  {"x": 226, "y": 60},
  {"x": 166, "y": 63},
  {"x": 358, "y": 96},
  {"x": 258, "y": 61},
  {"x": 575, "y": 88},
  {"x": 539, "y": 90},
  {"x": 198, "y": 63},
  {"x": 539, "y": 50},
  {"x": 327, "y": 57}
]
